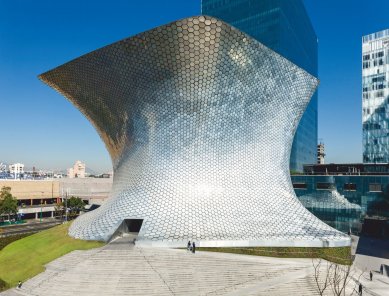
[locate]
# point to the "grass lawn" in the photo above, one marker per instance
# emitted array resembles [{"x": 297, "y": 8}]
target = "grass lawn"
[
  {"x": 4, "y": 241},
  {"x": 26, "y": 257}
]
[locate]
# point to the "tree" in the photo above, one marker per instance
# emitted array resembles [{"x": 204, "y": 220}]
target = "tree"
[
  {"x": 339, "y": 279},
  {"x": 74, "y": 205},
  {"x": 322, "y": 281},
  {"x": 59, "y": 210},
  {"x": 8, "y": 204}
]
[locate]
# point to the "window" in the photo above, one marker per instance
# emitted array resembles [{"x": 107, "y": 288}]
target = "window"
[
  {"x": 375, "y": 187},
  {"x": 299, "y": 185},
  {"x": 379, "y": 94},
  {"x": 350, "y": 187},
  {"x": 378, "y": 79},
  {"x": 325, "y": 186},
  {"x": 368, "y": 126}
]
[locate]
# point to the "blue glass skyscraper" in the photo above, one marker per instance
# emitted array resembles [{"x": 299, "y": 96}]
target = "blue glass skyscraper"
[
  {"x": 284, "y": 26},
  {"x": 375, "y": 97}
]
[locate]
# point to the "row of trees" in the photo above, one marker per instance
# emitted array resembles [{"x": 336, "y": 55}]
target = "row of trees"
[
  {"x": 74, "y": 206},
  {"x": 8, "y": 203}
]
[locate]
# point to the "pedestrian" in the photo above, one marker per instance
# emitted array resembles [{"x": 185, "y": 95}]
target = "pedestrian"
[
  {"x": 188, "y": 246},
  {"x": 193, "y": 248},
  {"x": 371, "y": 276},
  {"x": 20, "y": 284},
  {"x": 360, "y": 289}
]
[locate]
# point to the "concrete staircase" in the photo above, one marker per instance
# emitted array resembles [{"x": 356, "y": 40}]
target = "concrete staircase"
[{"x": 120, "y": 268}]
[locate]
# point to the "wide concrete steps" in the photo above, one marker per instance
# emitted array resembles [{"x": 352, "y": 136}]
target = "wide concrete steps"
[{"x": 122, "y": 269}]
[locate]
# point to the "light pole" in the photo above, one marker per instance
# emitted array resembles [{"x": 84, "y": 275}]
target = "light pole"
[
  {"x": 40, "y": 220},
  {"x": 66, "y": 205}
]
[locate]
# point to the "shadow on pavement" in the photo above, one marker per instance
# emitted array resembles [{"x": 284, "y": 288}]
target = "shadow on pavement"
[{"x": 373, "y": 247}]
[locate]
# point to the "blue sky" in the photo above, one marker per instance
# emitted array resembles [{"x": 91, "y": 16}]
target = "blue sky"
[{"x": 40, "y": 128}]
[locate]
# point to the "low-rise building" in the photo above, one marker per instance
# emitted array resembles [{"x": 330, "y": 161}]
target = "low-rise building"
[
  {"x": 77, "y": 171},
  {"x": 16, "y": 168},
  {"x": 347, "y": 169},
  {"x": 39, "y": 197}
]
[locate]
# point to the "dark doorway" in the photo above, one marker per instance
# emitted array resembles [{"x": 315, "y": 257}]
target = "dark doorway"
[
  {"x": 129, "y": 227},
  {"x": 133, "y": 225}
]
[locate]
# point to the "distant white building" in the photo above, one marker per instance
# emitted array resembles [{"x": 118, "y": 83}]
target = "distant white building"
[
  {"x": 16, "y": 168},
  {"x": 77, "y": 171},
  {"x": 320, "y": 153}
]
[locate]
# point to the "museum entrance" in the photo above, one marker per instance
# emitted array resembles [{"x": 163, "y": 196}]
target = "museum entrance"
[
  {"x": 132, "y": 225},
  {"x": 128, "y": 229}
]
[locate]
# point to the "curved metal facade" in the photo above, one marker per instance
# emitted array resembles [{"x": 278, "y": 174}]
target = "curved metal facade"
[{"x": 199, "y": 119}]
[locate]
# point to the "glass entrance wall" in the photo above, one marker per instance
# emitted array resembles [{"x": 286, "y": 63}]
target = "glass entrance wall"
[{"x": 355, "y": 198}]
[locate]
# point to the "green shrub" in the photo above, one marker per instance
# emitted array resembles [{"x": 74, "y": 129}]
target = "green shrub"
[
  {"x": 4, "y": 241},
  {"x": 341, "y": 255},
  {"x": 3, "y": 285}
]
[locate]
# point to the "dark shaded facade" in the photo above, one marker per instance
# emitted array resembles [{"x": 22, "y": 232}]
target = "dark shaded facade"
[
  {"x": 347, "y": 169},
  {"x": 283, "y": 26}
]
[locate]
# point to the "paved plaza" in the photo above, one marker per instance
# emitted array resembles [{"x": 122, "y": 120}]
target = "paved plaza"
[{"x": 120, "y": 268}]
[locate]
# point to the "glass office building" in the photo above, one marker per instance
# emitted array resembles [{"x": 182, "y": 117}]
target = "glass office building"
[
  {"x": 283, "y": 26},
  {"x": 343, "y": 201},
  {"x": 375, "y": 97}
]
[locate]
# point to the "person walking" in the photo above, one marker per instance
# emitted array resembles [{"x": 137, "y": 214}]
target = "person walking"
[
  {"x": 20, "y": 284},
  {"x": 193, "y": 248},
  {"x": 188, "y": 246},
  {"x": 371, "y": 276},
  {"x": 360, "y": 289}
]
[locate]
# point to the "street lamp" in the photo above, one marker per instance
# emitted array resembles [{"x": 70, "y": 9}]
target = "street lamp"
[
  {"x": 66, "y": 205},
  {"x": 41, "y": 207}
]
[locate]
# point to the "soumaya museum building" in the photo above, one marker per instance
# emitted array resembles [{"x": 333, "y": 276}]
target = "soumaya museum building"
[{"x": 199, "y": 119}]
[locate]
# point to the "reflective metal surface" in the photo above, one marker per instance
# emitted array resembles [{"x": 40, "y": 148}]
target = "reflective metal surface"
[{"x": 199, "y": 120}]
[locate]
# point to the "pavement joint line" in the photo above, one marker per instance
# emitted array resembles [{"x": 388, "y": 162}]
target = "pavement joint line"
[
  {"x": 160, "y": 276},
  {"x": 384, "y": 282},
  {"x": 273, "y": 282}
]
